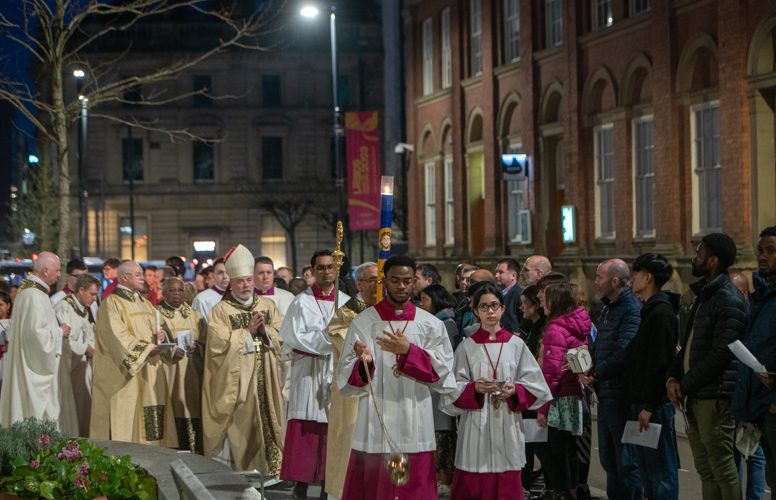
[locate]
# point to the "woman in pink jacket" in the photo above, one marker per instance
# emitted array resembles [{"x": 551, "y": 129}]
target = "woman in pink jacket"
[{"x": 568, "y": 327}]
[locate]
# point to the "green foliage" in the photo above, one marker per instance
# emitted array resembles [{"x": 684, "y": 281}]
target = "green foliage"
[
  {"x": 21, "y": 441},
  {"x": 49, "y": 465}
]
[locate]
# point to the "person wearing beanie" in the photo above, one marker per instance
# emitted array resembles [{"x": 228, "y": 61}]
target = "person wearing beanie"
[
  {"x": 702, "y": 377},
  {"x": 647, "y": 358},
  {"x": 242, "y": 410}
]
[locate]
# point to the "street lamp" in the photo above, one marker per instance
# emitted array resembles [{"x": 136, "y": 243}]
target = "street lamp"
[
  {"x": 83, "y": 221},
  {"x": 310, "y": 11}
]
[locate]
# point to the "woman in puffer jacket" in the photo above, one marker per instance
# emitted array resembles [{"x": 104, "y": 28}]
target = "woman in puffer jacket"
[{"x": 568, "y": 327}]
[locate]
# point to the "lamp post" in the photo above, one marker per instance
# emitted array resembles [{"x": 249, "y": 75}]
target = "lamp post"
[
  {"x": 83, "y": 221},
  {"x": 311, "y": 11}
]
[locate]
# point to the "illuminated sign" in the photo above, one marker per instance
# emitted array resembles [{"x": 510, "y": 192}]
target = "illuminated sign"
[
  {"x": 515, "y": 165},
  {"x": 205, "y": 246},
  {"x": 568, "y": 223}
]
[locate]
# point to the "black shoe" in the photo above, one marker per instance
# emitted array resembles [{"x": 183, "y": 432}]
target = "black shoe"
[
  {"x": 583, "y": 492},
  {"x": 324, "y": 495},
  {"x": 300, "y": 491},
  {"x": 282, "y": 485}
]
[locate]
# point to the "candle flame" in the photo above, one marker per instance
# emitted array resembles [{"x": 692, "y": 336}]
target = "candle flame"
[{"x": 387, "y": 189}]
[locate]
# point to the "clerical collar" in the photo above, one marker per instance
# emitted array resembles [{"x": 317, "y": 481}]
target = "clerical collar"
[
  {"x": 270, "y": 291},
  {"x": 318, "y": 294},
  {"x": 246, "y": 303},
  {"x": 218, "y": 290},
  {"x": 168, "y": 311},
  {"x": 482, "y": 336},
  {"x": 388, "y": 311},
  {"x": 39, "y": 281},
  {"x": 126, "y": 293}
]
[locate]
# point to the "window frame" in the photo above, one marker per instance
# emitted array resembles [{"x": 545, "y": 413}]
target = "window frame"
[
  {"x": 199, "y": 144},
  {"x": 447, "y": 52},
  {"x": 635, "y": 11},
  {"x": 550, "y": 23},
  {"x": 640, "y": 205},
  {"x": 199, "y": 100},
  {"x": 604, "y": 187},
  {"x": 511, "y": 37},
  {"x": 449, "y": 180},
  {"x": 273, "y": 97},
  {"x": 475, "y": 37},
  {"x": 264, "y": 155},
  {"x": 124, "y": 154},
  {"x": 595, "y": 14},
  {"x": 427, "y": 58},
  {"x": 700, "y": 174},
  {"x": 429, "y": 184}
]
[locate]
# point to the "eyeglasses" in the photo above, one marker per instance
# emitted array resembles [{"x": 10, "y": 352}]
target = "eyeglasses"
[
  {"x": 323, "y": 269},
  {"x": 493, "y": 306}
]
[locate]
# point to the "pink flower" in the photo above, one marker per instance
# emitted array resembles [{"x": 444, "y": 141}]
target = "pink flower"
[
  {"x": 44, "y": 440},
  {"x": 84, "y": 469},
  {"x": 35, "y": 464}
]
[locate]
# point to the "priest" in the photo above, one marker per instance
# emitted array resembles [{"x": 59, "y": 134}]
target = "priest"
[
  {"x": 185, "y": 327},
  {"x": 343, "y": 411},
  {"x": 131, "y": 397},
  {"x": 396, "y": 354},
  {"x": 242, "y": 413},
  {"x": 310, "y": 348},
  {"x": 30, "y": 379},
  {"x": 75, "y": 366},
  {"x": 205, "y": 301}
]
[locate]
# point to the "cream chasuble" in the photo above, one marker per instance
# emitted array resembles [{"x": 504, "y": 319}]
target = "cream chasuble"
[
  {"x": 130, "y": 395},
  {"x": 242, "y": 400},
  {"x": 344, "y": 409},
  {"x": 75, "y": 370},
  {"x": 30, "y": 382},
  {"x": 185, "y": 376}
]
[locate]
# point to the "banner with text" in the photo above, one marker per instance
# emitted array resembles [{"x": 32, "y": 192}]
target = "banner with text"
[{"x": 362, "y": 137}]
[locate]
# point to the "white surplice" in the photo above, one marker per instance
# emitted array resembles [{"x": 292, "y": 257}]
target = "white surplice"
[
  {"x": 205, "y": 301},
  {"x": 30, "y": 384},
  {"x": 282, "y": 299},
  {"x": 490, "y": 439},
  {"x": 404, "y": 402},
  {"x": 304, "y": 329},
  {"x": 75, "y": 370}
]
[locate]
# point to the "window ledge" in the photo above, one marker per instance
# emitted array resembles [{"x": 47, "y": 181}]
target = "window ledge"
[
  {"x": 509, "y": 67},
  {"x": 432, "y": 98},
  {"x": 547, "y": 54},
  {"x": 472, "y": 81}
]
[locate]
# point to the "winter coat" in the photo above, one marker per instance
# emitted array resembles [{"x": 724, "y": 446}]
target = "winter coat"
[
  {"x": 617, "y": 325},
  {"x": 717, "y": 318},
  {"x": 752, "y": 399},
  {"x": 563, "y": 333}
]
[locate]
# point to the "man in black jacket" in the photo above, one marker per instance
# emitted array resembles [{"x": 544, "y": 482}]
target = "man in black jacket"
[
  {"x": 648, "y": 357},
  {"x": 506, "y": 280},
  {"x": 704, "y": 371}
]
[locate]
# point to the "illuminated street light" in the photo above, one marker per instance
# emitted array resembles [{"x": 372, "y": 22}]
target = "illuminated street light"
[
  {"x": 79, "y": 73},
  {"x": 309, "y": 11}
]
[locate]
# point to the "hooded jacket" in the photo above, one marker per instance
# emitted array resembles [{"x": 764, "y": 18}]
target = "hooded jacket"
[
  {"x": 752, "y": 399},
  {"x": 651, "y": 352},
  {"x": 717, "y": 318},
  {"x": 563, "y": 333}
]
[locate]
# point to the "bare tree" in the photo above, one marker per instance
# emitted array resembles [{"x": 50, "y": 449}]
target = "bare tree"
[
  {"x": 59, "y": 34},
  {"x": 37, "y": 210}
]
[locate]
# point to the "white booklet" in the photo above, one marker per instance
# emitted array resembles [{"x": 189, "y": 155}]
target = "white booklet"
[
  {"x": 648, "y": 437},
  {"x": 745, "y": 356},
  {"x": 184, "y": 339},
  {"x": 533, "y": 432}
]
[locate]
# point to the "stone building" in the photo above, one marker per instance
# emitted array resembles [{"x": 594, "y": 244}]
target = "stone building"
[
  {"x": 650, "y": 121},
  {"x": 268, "y": 138}
]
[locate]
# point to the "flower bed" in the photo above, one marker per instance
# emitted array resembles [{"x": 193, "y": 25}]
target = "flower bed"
[{"x": 36, "y": 461}]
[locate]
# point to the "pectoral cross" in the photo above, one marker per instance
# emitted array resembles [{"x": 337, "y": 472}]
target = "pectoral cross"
[{"x": 257, "y": 345}]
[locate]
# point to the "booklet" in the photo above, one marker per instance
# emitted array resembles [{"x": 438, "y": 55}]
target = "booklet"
[
  {"x": 184, "y": 339},
  {"x": 648, "y": 437},
  {"x": 746, "y": 357},
  {"x": 533, "y": 432}
]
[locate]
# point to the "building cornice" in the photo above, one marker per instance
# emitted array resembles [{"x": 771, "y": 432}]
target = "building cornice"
[
  {"x": 437, "y": 96},
  {"x": 548, "y": 54},
  {"x": 471, "y": 82},
  {"x": 507, "y": 69},
  {"x": 682, "y": 6},
  {"x": 620, "y": 29}
]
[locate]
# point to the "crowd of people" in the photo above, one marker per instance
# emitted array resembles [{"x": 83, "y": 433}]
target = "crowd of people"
[{"x": 479, "y": 393}]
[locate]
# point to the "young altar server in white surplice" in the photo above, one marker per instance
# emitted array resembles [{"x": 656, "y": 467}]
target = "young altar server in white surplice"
[
  {"x": 408, "y": 354},
  {"x": 490, "y": 452}
]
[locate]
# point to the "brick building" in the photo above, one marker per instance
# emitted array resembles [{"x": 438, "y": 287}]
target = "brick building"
[{"x": 654, "y": 120}]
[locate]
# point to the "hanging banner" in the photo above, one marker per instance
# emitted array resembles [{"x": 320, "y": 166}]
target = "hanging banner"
[{"x": 362, "y": 138}]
